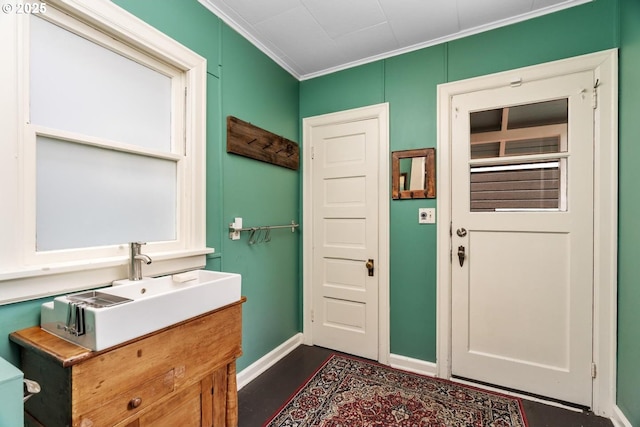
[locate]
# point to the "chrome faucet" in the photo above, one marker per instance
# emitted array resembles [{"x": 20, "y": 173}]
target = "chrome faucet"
[{"x": 135, "y": 261}]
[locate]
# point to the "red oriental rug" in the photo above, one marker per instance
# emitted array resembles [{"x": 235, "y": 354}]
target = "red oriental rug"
[{"x": 350, "y": 392}]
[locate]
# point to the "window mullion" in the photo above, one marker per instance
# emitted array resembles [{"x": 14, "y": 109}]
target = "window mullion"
[{"x": 103, "y": 143}]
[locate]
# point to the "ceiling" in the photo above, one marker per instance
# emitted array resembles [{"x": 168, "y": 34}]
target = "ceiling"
[{"x": 310, "y": 38}]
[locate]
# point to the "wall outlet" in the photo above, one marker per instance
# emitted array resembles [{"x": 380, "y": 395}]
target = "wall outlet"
[{"x": 426, "y": 216}]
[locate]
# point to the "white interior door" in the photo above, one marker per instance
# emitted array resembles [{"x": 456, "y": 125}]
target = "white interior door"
[
  {"x": 345, "y": 236},
  {"x": 522, "y": 227}
]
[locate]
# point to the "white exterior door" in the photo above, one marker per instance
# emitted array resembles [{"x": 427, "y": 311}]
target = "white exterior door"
[
  {"x": 345, "y": 278},
  {"x": 522, "y": 236}
]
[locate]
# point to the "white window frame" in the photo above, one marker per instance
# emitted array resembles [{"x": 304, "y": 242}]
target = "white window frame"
[{"x": 26, "y": 273}]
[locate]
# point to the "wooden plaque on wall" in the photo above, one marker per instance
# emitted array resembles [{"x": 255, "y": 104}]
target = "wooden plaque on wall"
[{"x": 248, "y": 140}]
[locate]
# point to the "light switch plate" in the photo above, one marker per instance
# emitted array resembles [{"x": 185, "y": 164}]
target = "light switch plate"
[{"x": 426, "y": 216}]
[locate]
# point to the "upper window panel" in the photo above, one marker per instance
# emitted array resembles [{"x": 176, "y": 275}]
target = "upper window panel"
[
  {"x": 109, "y": 96},
  {"x": 520, "y": 130}
]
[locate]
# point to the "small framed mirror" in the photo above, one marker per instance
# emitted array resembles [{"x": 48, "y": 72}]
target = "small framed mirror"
[{"x": 413, "y": 174}]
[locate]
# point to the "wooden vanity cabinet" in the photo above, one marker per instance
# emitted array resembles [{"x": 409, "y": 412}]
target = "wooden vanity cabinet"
[{"x": 183, "y": 375}]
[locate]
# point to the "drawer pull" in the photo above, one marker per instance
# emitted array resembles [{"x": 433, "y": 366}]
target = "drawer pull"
[{"x": 135, "y": 402}]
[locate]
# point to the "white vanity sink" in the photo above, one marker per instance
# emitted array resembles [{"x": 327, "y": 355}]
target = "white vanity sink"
[{"x": 129, "y": 309}]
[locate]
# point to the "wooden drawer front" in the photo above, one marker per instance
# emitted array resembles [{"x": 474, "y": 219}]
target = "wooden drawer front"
[
  {"x": 192, "y": 349},
  {"x": 182, "y": 410},
  {"x": 129, "y": 402}
]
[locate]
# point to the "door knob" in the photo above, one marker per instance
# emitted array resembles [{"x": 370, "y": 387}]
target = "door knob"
[
  {"x": 461, "y": 255},
  {"x": 369, "y": 266}
]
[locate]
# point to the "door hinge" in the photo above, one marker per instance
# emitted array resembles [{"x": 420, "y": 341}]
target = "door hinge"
[
  {"x": 312, "y": 315},
  {"x": 594, "y": 95},
  {"x": 594, "y": 370},
  {"x": 313, "y": 153}
]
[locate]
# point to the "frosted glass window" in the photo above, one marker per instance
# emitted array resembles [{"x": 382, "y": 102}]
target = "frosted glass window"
[
  {"x": 82, "y": 87},
  {"x": 89, "y": 196}
]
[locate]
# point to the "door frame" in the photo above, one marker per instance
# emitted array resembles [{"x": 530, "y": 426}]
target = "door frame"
[
  {"x": 381, "y": 113},
  {"x": 605, "y": 67}
]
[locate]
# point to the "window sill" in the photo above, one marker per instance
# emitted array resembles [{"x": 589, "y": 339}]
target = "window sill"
[{"x": 55, "y": 279}]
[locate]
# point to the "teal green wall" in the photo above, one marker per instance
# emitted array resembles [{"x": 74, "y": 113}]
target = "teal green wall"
[
  {"x": 629, "y": 212},
  {"x": 347, "y": 89},
  {"x": 14, "y": 317},
  {"x": 408, "y": 82},
  {"x": 410, "y": 89},
  {"x": 256, "y": 90}
]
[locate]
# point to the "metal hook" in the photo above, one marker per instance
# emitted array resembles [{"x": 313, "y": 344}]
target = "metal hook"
[
  {"x": 251, "y": 236},
  {"x": 258, "y": 238},
  {"x": 267, "y": 237}
]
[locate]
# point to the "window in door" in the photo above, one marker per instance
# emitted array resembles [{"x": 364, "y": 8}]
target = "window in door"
[{"x": 519, "y": 157}]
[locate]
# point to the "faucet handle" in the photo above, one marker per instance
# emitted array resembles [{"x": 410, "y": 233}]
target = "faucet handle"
[{"x": 135, "y": 247}]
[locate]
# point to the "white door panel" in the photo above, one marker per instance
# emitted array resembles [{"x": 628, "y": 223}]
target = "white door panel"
[
  {"x": 542, "y": 282},
  {"x": 345, "y": 236},
  {"x": 522, "y": 301}
]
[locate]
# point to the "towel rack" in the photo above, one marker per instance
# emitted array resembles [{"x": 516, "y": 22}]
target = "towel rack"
[{"x": 235, "y": 228}]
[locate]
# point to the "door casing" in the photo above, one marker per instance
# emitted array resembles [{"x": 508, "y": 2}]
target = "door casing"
[
  {"x": 381, "y": 113},
  {"x": 604, "y": 64}
]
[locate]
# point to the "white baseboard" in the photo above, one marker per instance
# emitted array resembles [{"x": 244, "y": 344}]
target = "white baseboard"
[
  {"x": 252, "y": 371},
  {"x": 413, "y": 365},
  {"x": 619, "y": 419}
]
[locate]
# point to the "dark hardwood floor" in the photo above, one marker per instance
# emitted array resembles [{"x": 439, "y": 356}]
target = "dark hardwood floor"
[{"x": 261, "y": 398}]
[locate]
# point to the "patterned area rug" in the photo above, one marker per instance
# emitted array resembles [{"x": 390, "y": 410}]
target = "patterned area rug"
[{"x": 350, "y": 392}]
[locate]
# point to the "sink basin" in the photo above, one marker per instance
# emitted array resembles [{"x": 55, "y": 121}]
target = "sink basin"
[{"x": 129, "y": 309}]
